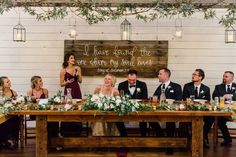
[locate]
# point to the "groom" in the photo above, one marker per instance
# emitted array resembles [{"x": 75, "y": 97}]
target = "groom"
[{"x": 137, "y": 90}]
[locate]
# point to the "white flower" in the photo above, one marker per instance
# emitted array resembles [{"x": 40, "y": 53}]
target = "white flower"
[
  {"x": 168, "y": 87},
  {"x": 20, "y": 99},
  {"x": 57, "y": 99},
  {"x": 138, "y": 90},
  {"x": 67, "y": 107},
  {"x": 202, "y": 92},
  {"x": 181, "y": 107},
  {"x": 8, "y": 105},
  {"x": 99, "y": 105},
  {"x": 95, "y": 98},
  {"x": 136, "y": 105},
  {"x": 118, "y": 101}
]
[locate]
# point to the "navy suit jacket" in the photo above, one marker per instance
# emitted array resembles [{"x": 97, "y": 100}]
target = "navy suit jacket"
[
  {"x": 173, "y": 91},
  {"x": 204, "y": 92},
  {"x": 221, "y": 91},
  {"x": 143, "y": 94}
]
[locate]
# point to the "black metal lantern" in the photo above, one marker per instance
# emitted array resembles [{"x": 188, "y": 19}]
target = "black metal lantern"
[
  {"x": 125, "y": 28},
  {"x": 230, "y": 35},
  {"x": 178, "y": 28},
  {"x": 72, "y": 27},
  {"x": 19, "y": 32}
]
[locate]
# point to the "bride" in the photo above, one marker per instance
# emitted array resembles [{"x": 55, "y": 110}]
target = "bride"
[{"x": 107, "y": 89}]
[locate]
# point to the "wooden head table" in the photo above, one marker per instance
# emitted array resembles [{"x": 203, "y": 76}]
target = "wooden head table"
[
  {"x": 3, "y": 118},
  {"x": 196, "y": 117}
]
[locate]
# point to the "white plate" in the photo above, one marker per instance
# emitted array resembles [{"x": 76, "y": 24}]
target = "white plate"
[
  {"x": 77, "y": 100},
  {"x": 170, "y": 100},
  {"x": 136, "y": 100},
  {"x": 200, "y": 100}
]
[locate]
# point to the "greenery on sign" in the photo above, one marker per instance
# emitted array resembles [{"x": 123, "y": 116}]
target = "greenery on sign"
[{"x": 94, "y": 11}]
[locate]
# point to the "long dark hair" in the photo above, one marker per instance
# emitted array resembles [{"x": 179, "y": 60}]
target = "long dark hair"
[{"x": 66, "y": 58}]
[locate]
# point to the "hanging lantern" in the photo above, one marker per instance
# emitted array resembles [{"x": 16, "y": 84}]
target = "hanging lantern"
[
  {"x": 230, "y": 35},
  {"x": 19, "y": 32},
  {"x": 125, "y": 28},
  {"x": 72, "y": 27},
  {"x": 178, "y": 28}
]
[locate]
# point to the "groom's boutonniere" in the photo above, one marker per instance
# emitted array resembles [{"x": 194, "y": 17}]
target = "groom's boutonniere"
[
  {"x": 202, "y": 92},
  {"x": 138, "y": 90},
  {"x": 233, "y": 89}
]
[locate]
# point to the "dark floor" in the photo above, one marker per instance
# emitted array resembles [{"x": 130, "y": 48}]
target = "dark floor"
[{"x": 29, "y": 151}]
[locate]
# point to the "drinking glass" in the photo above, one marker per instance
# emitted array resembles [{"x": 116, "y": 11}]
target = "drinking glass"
[
  {"x": 216, "y": 101},
  {"x": 192, "y": 97},
  {"x": 222, "y": 100},
  {"x": 122, "y": 93},
  {"x": 154, "y": 98}
]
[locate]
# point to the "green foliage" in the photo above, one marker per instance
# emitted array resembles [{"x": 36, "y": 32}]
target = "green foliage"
[
  {"x": 94, "y": 12},
  {"x": 120, "y": 105}
]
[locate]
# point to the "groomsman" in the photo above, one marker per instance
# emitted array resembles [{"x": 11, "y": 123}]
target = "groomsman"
[
  {"x": 137, "y": 90},
  {"x": 172, "y": 91},
  {"x": 200, "y": 91},
  {"x": 227, "y": 90}
]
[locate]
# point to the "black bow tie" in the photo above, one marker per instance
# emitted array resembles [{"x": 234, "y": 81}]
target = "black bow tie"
[{"x": 131, "y": 86}]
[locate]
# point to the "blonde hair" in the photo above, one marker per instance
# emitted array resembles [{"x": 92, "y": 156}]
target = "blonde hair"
[
  {"x": 34, "y": 80},
  {"x": 113, "y": 78}
]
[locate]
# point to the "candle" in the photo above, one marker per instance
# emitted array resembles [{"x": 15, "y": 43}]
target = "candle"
[
  {"x": 178, "y": 34},
  {"x": 230, "y": 38},
  {"x": 18, "y": 36},
  {"x": 73, "y": 33},
  {"x": 125, "y": 35}
]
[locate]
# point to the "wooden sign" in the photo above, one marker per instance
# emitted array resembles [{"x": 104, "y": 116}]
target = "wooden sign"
[{"x": 97, "y": 58}]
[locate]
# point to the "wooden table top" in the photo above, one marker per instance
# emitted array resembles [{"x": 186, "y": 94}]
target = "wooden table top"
[{"x": 141, "y": 113}]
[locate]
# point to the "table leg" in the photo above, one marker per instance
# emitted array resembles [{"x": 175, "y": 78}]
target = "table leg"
[
  {"x": 41, "y": 136},
  {"x": 215, "y": 133},
  {"x": 22, "y": 130},
  {"x": 197, "y": 137}
]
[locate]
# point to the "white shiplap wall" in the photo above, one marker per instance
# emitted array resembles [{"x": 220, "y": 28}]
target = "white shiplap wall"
[{"x": 202, "y": 46}]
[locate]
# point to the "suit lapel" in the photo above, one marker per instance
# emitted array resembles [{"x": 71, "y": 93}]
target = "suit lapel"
[{"x": 168, "y": 88}]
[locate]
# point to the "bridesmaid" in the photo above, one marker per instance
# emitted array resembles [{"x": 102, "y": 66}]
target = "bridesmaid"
[
  {"x": 36, "y": 93},
  {"x": 9, "y": 130},
  {"x": 70, "y": 77}
]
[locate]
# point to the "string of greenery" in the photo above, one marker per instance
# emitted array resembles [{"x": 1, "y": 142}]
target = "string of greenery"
[{"x": 94, "y": 12}]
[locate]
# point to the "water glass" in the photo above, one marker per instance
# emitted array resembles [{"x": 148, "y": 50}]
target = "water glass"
[
  {"x": 122, "y": 93},
  {"x": 216, "y": 101},
  {"x": 154, "y": 98},
  {"x": 192, "y": 97}
]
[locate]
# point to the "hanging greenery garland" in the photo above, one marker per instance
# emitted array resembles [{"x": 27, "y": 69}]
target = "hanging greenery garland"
[{"x": 93, "y": 11}]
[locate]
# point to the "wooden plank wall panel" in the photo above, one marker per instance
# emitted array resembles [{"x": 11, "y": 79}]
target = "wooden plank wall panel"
[{"x": 202, "y": 46}]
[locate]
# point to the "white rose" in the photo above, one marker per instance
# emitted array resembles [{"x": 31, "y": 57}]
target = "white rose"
[
  {"x": 94, "y": 98},
  {"x": 99, "y": 105},
  {"x": 136, "y": 105},
  {"x": 57, "y": 99},
  {"x": 118, "y": 101},
  {"x": 20, "y": 99},
  {"x": 181, "y": 107},
  {"x": 8, "y": 105},
  {"x": 67, "y": 107},
  {"x": 112, "y": 106}
]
